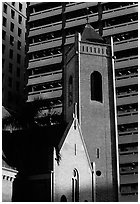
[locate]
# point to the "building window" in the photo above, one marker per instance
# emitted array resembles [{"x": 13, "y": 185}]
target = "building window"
[
  {"x": 12, "y": 26},
  {"x": 75, "y": 186},
  {"x": 18, "y": 58},
  {"x": 10, "y": 68},
  {"x": 5, "y": 8},
  {"x": 63, "y": 198},
  {"x": 11, "y": 40},
  {"x": 19, "y": 19},
  {"x": 70, "y": 91},
  {"x": 18, "y": 72},
  {"x": 4, "y": 21},
  {"x": 13, "y": 3},
  {"x": 11, "y": 54},
  {"x": 19, "y": 45},
  {"x": 3, "y": 34},
  {"x": 96, "y": 86},
  {"x": 20, "y": 7},
  {"x": 10, "y": 82},
  {"x": 12, "y": 14},
  {"x": 3, "y": 49},
  {"x": 19, "y": 32}
]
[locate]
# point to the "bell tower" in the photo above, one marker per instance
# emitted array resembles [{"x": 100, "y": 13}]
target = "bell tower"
[{"x": 88, "y": 82}]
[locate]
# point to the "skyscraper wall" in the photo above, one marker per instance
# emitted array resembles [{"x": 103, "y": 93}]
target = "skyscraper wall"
[
  {"x": 13, "y": 72},
  {"x": 13, "y": 54}
]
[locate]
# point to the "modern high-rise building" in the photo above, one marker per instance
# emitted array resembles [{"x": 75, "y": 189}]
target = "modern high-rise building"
[
  {"x": 53, "y": 25},
  {"x": 13, "y": 54},
  {"x": 13, "y": 72}
]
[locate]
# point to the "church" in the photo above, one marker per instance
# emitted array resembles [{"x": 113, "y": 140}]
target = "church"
[{"x": 87, "y": 167}]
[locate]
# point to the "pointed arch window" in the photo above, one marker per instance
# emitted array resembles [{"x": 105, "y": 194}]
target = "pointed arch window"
[
  {"x": 75, "y": 186},
  {"x": 96, "y": 86},
  {"x": 63, "y": 198}
]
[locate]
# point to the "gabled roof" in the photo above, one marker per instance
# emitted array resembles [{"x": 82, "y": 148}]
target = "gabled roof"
[
  {"x": 5, "y": 112},
  {"x": 73, "y": 128},
  {"x": 89, "y": 34}
]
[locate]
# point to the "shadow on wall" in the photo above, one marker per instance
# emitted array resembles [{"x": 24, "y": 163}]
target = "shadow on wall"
[{"x": 40, "y": 191}]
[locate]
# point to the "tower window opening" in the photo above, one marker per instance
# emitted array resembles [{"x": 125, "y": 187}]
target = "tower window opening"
[{"x": 96, "y": 86}]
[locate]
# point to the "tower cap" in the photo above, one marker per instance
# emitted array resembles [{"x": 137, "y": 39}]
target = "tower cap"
[{"x": 89, "y": 34}]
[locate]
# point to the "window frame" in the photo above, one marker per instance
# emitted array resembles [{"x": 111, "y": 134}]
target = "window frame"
[
  {"x": 20, "y": 7},
  {"x": 96, "y": 86},
  {"x": 4, "y": 23},
  {"x": 11, "y": 53},
  {"x": 11, "y": 40},
  {"x": 19, "y": 45},
  {"x": 19, "y": 32},
  {"x": 12, "y": 25},
  {"x": 5, "y": 8},
  {"x": 12, "y": 14},
  {"x": 18, "y": 58},
  {"x": 3, "y": 34},
  {"x": 19, "y": 19}
]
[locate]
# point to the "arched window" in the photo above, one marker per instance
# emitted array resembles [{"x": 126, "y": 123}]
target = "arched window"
[
  {"x": 75, "y": 186},
  {"x": 63, "y": 198},
  {"x": 70, "y": 91},
  {"x": 96, "y": 86}
]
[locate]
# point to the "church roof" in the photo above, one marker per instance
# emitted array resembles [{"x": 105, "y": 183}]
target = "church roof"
[
  {"x": 5, "y": 112},
  {"x": 89, "y": 34}
]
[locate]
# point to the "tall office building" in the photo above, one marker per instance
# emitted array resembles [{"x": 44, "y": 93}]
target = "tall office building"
[
  {"x": 13, "y": 72},
  {"x": 13, "y": 54},
  {"x": 119, "y": 20}
]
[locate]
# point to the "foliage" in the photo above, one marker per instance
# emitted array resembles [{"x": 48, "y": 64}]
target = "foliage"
[{"x": 32, "y": 116}]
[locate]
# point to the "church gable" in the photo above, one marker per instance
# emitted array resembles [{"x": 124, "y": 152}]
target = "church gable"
[
  {"x": 74, "y": 161},
  {"x": 73, "y": 137}
]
